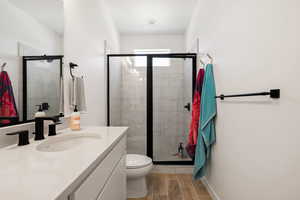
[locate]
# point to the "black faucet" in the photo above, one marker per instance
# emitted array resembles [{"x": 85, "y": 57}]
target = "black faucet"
[
  {"x": 52, "y": 128},
  {"x": 23, "y": 137},
  {"x": 39, "y": 126}
]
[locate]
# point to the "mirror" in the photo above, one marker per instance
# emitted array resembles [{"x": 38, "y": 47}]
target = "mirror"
[
  {"x": 31, "y": 59},
  {"x": 42, "y": 86}
]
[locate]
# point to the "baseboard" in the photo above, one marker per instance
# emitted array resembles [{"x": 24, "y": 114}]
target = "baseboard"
[{"x": 210, "y": 190}]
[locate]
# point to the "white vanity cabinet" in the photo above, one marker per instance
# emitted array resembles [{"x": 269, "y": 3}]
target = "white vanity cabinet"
[
  {"x": 114, "y": 189},
  {"x": 108, "y": 180},
  {"x": 74, "y": 165}
]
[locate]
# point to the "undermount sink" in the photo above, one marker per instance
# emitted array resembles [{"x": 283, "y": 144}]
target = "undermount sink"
[{"x": 65, "y": 142}]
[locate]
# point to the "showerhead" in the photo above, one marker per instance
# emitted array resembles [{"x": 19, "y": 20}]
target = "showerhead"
[{"x": 48, "y": 60}]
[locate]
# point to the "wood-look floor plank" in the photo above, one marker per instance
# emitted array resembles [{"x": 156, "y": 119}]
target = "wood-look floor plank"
[
  {"x": 155, "y": 182},
  {"x": 150, "y": 187},
  {"x": 188, "y": 180},
  {"x": 174, "y": 187},
  {"x": 186, "y": 187},
  {"x": 163, "y": 185},
  {"x": 174, "y": 191}
]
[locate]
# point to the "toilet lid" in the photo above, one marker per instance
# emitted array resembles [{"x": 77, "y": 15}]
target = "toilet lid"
[{"x": 137, "y": 161}]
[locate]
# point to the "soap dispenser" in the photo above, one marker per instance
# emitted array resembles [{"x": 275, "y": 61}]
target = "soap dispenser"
[
  {"x": 40, "y": 112},
  {"x": 75, "y": 120}
]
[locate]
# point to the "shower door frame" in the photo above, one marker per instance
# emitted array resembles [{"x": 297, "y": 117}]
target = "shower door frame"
[{"x": 149, "y": 96}]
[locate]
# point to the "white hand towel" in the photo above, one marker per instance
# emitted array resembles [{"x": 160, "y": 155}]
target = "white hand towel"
[{"x": 78, "y": 94}]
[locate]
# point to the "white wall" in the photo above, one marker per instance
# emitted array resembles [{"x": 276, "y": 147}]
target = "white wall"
[
  {"x": 87, "y": 24},
  {"x": 256, "y": 47},
  {"x": 18, "y": 26},
  {"x": 173, "y": 42}
]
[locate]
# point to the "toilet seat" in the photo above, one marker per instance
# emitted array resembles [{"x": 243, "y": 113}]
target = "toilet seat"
[{"x": 135, "y": 161}]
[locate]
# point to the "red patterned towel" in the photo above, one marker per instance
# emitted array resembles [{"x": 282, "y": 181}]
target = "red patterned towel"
[
  {"x": 8, "y": 106},
  {"x": 193, "y": 134}
]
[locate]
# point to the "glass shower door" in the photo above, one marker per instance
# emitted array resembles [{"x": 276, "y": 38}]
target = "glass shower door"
[{"x": 172, "y": 101}]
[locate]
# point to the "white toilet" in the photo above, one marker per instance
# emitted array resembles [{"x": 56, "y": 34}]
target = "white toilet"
[{"x": 138, "y": 166}]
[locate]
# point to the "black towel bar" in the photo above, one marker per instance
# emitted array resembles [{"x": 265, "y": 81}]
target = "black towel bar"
[{"x": 274, "y": 93}]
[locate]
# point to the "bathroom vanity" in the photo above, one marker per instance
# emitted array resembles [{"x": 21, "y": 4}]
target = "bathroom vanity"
[{"x": 83, "y": 165}]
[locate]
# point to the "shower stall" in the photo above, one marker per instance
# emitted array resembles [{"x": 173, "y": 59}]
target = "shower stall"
[{"x": 152, "y": 95}]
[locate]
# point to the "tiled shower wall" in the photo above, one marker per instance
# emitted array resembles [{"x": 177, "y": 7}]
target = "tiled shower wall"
[
  {"x": 169, "y": 114},
  {"x": 133, "y": 105},
  {"x": 115, "y": 91}
]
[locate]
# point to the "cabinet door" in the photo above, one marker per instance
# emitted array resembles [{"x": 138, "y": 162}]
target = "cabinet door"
[
  {"x": 115, "y": 188},
  {"x": 96, "y": 181}
]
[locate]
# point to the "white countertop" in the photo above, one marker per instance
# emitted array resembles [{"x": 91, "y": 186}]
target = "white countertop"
[{"x": 28, "y": 174}]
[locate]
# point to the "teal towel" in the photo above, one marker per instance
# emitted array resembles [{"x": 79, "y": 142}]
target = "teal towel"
[{"x": 208, "y": 112}]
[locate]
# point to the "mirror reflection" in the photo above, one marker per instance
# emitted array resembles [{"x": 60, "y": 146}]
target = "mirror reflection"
[
  {"x": 42, "y": 94},
  {"x": 31, "y": 60}
]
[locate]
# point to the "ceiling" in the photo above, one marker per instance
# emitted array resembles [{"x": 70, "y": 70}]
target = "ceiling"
[
  {"x": 130, "y": 16},
  {"x": 151, "y": 16},
  {"x": 47, "y": 12}
]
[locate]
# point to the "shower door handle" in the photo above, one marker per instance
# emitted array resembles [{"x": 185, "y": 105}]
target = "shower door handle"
[{"x": 188, "y": 107}]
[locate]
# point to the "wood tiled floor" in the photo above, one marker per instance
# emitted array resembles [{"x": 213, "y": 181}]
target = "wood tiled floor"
[{"x": 175, "y": 187}]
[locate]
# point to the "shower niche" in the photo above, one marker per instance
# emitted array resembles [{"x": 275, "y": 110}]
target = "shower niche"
[{"x": 152, "y": 95}]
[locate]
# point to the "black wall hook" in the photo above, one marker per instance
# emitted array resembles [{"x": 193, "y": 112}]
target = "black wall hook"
[{"x": 274, "y": 94}]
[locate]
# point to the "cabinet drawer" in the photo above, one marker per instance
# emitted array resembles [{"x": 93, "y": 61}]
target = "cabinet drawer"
[
  {"x": 93, "y": 185},
  {"x": 115, "y": 188}
]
